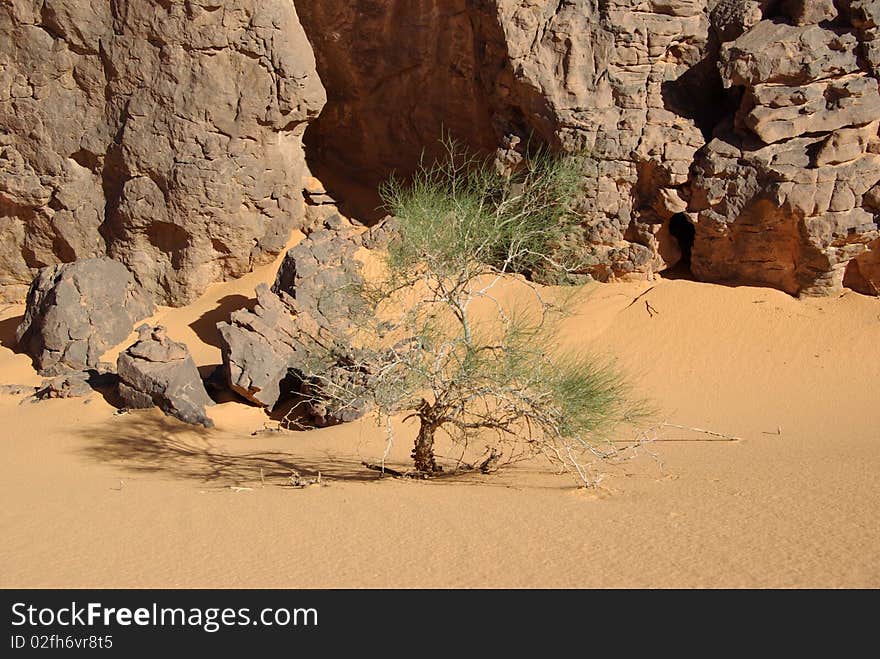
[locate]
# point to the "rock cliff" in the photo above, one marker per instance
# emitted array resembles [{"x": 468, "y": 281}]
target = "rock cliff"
[
  {"x": 783, "y": 195},
  {"x": 166, "y": 135},
  {"x": 744, "y": 132},
  {"x": 737, "y": 136}
]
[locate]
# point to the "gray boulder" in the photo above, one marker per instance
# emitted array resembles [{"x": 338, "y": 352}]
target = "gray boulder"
[
  {"x": 158, "y": 371},
  {"x": 319, "y": 276},
  {"x": 296, "y": 337},
  {"x": 76, "y": 311},
  {"x": 259, "y": 348}
]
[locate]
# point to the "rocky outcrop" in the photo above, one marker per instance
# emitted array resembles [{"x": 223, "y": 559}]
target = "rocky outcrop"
[
  {"x": 398, "y": 75},
  {"x": 317, "y": 277},
  {"x": 164, "y": 134},
  {"x": 782, "y": 194},
  {"x": 156, "y": 371},
  {"x": 169, "y": 135},
  {"x": 74, "y": 385},
  {"x": 259, "y": 347},
  {"x": 299, "y": 329},
  {"x": 785, "y": 94},
  {"x": 76, "y": 311},
  {"x": 612, "y": 79}
]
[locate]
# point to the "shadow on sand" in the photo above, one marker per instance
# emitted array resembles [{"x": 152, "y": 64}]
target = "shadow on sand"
[
  {"x": 145, "y": 443},
  {"x": 205, "y": 326},
  {"x": 7, "y": 332}
]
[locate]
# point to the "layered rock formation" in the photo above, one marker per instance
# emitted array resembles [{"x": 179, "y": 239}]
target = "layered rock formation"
[
  {"x": 165, "y": 134},
  {"x": 782, "y": 195},
  {"x": 168, "y": 135},
  {"x": 784, "y": 93},
  {"x": 608, "y": 78}
]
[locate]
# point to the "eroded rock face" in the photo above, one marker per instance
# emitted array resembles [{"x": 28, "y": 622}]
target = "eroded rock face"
[
  {"x": 76, "y": 311},
  {"x": 157, "y": 371},
  {"x": 169, "y": 135},
  {"x": 782, "y": 196},
  {"x": 165, "y": 134},
  {"x": 785, "y": 94},
  {"x": 617, "y": 80},
  {"x": 607, "y": 78},
  {"x": 398, "y": 75}
]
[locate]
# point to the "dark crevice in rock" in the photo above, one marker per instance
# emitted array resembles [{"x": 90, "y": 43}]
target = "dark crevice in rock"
[
  {"x": 63, "y": 250},
  {"x": 113, "y": 178},
  {"x": 400, "y": 77},
  {"x": 168, "y": 238},
  {"x": 90, "y": 161},
  {"x": 683, "y": 230},
  {"x": 702, "y": 81}
]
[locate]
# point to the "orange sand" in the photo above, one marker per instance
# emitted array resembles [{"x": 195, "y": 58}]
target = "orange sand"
[{"x": 96, "y": 500}]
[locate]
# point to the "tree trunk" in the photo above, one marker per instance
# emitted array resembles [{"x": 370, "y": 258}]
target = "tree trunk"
[{"x": 423, "y": 451}]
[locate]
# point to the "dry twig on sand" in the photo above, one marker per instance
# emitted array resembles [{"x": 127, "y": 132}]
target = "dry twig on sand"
[
  {"x": 640, "y": 296},
  {"x": 729, "y": 438},
  {"x": 721, "y": 437}
]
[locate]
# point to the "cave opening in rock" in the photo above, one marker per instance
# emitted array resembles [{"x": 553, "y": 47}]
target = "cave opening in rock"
[
  {"x": 399, "y": 77},
  {"x": 683, "y": 231}
]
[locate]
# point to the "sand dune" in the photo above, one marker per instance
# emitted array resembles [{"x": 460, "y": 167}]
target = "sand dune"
[{"x": 97, "y": 499}]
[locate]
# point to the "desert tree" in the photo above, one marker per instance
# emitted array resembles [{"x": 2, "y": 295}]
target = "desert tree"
[{"x": 455, "y": 333}]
